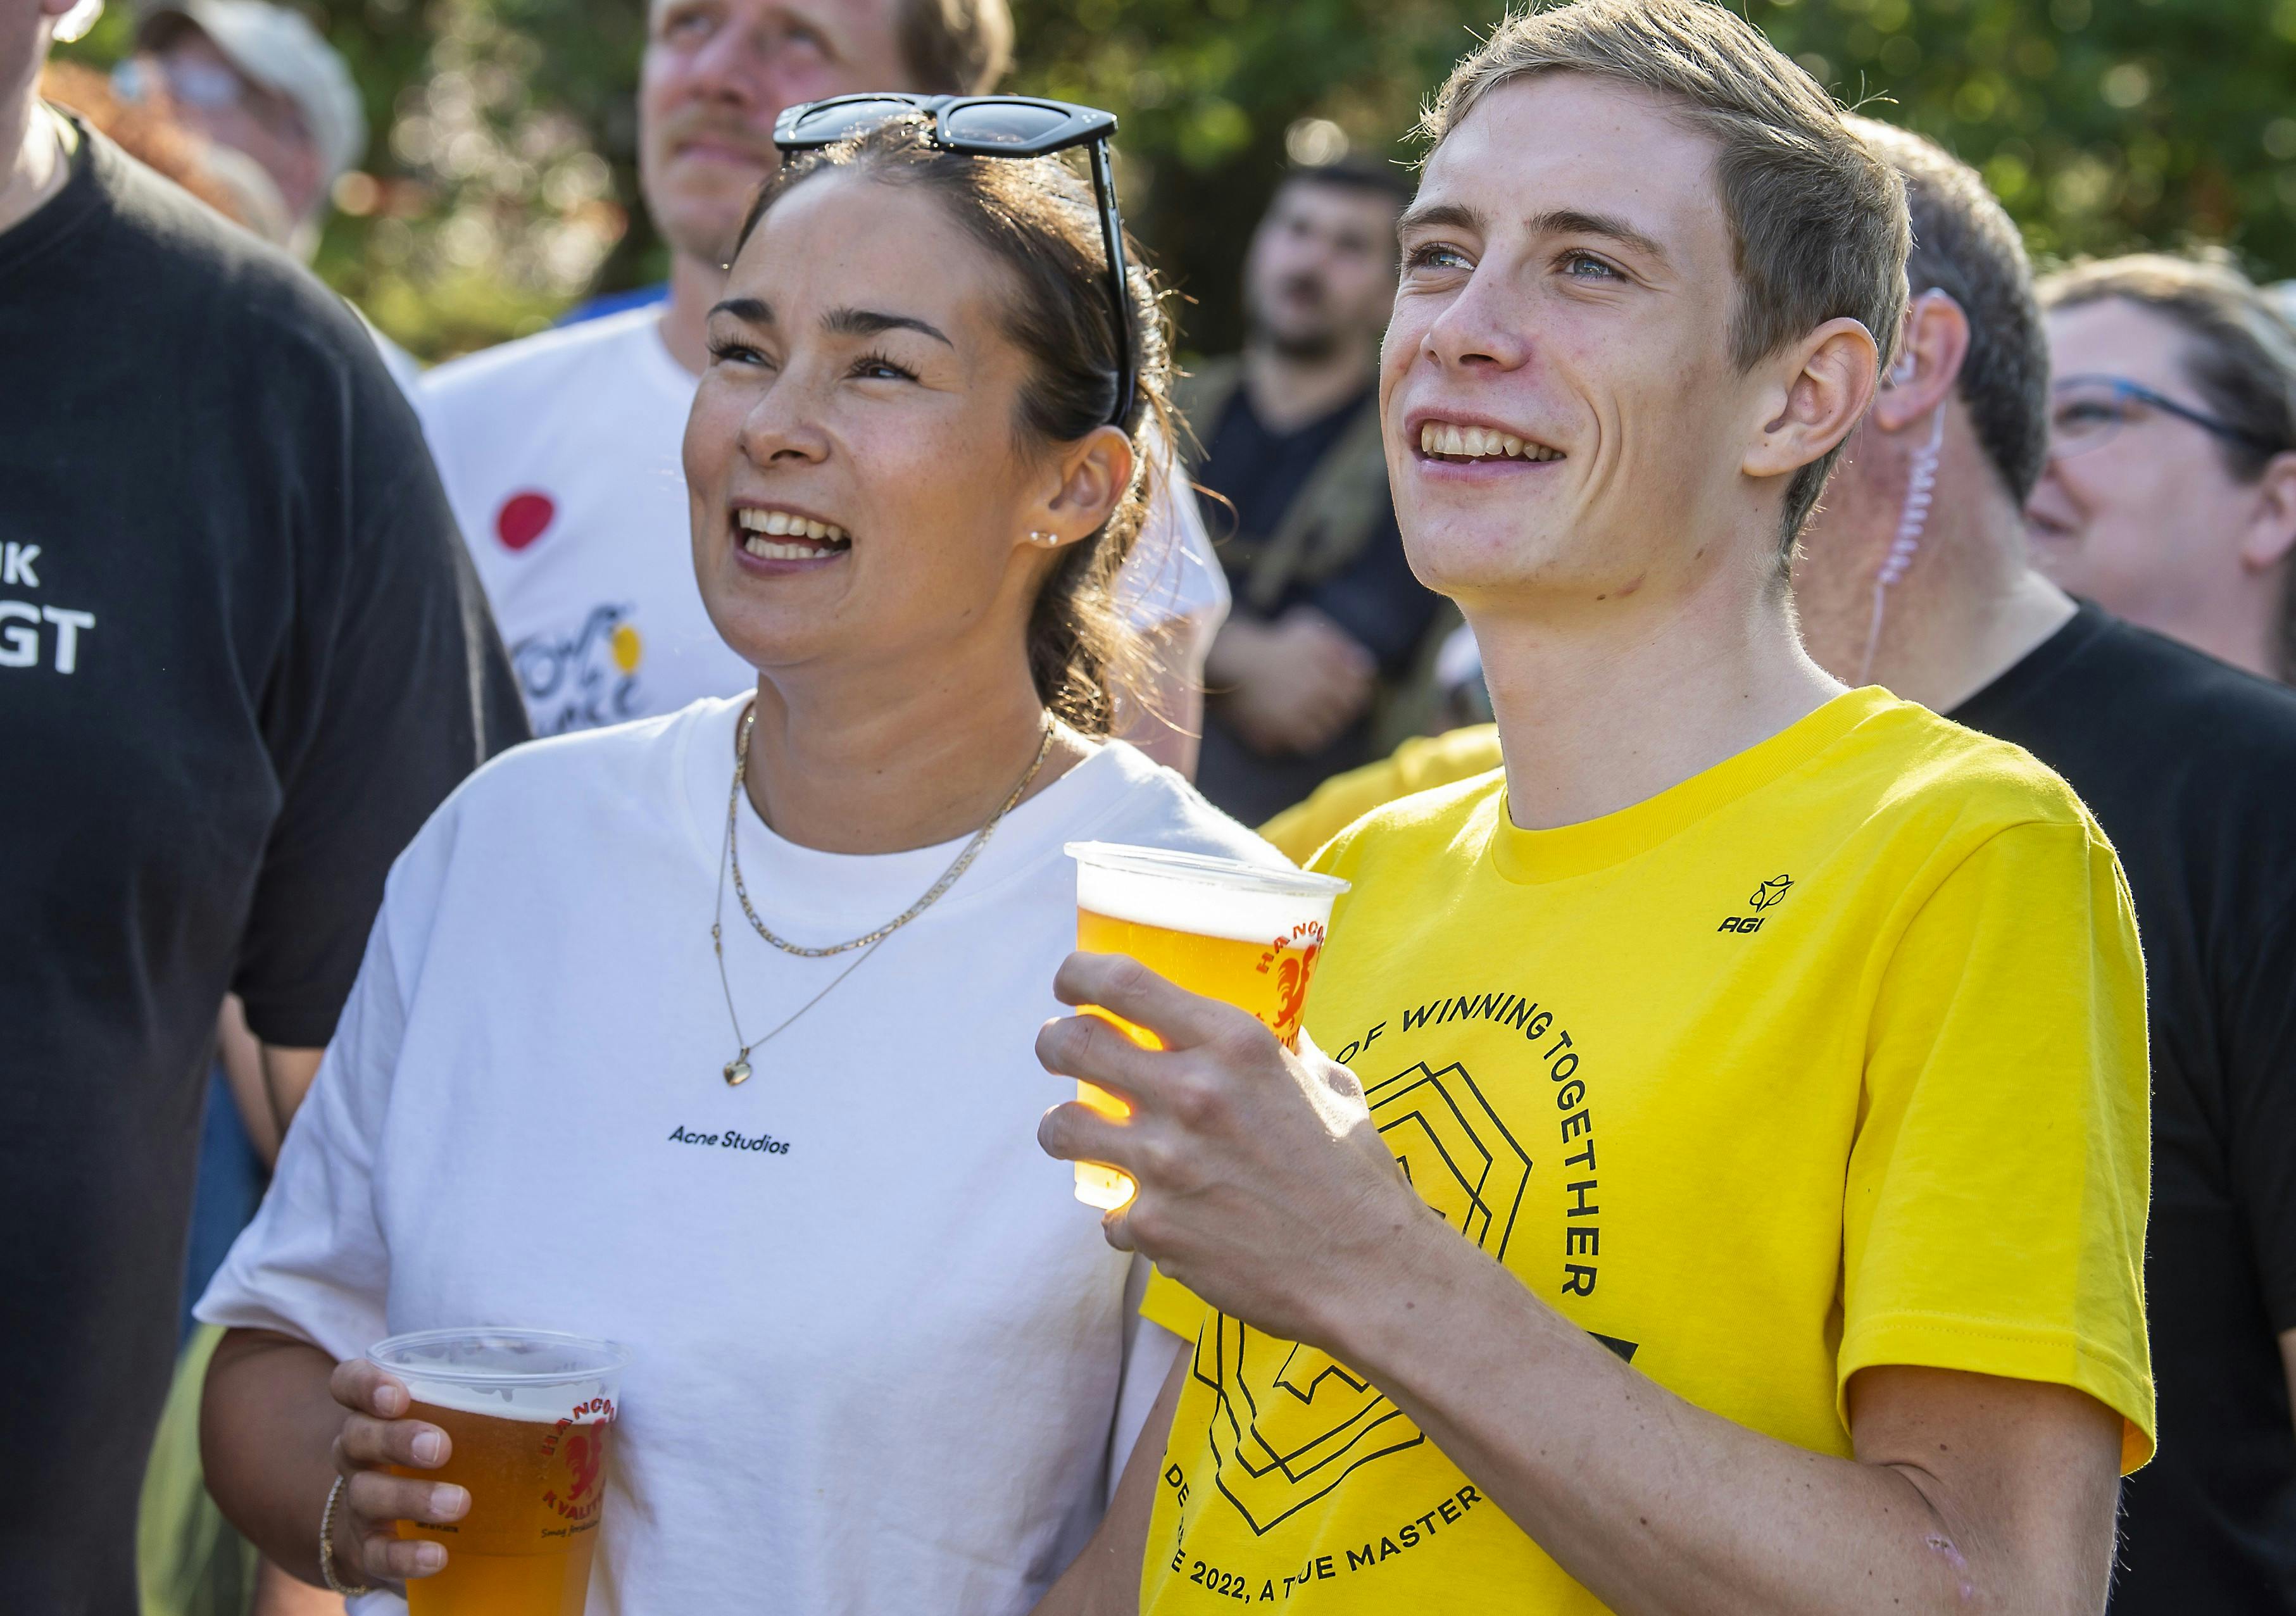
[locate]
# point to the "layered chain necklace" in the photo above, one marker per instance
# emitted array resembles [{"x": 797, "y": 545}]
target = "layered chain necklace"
[{"x": 737, "y": 1069}]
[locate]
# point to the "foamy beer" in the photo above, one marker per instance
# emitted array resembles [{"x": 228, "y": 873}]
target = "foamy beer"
[
  {"x": 529, "y": 1414},
  {"x": 1239, "y": 932}
]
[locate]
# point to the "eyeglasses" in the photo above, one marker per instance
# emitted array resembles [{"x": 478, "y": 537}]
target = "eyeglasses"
[
  {"x": 994, "y": 126},
  {"x": 2086, "y": 413}
]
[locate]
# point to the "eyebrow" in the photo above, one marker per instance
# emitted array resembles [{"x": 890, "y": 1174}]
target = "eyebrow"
[
  {"x": 1437, "y": 216},
  {"x": 838, "y": 322}
]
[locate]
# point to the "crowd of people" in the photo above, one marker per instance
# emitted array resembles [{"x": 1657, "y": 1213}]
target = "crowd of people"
[{"x": 1798, "y": 1105}]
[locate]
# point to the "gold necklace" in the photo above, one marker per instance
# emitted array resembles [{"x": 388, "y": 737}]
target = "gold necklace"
[{"x": 737, "y": 1069}]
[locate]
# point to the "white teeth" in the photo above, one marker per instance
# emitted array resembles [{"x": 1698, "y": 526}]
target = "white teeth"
[
  {"x": 752, "y": 521},
  {"x": 1475, "y": 442},
  {"x": 759, "y": 546}
]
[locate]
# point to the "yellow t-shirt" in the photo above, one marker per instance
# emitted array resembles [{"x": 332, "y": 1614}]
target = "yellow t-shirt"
[
  {"x": 1831, "y": 1056},
  {"x": 1419, "y": 764}
]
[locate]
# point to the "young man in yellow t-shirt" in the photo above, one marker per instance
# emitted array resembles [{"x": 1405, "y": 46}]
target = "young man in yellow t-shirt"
[{"x": 1764, "y": 1060}]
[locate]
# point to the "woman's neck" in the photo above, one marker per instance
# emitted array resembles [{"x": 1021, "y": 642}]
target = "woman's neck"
[{"x": 884, "y": 766}]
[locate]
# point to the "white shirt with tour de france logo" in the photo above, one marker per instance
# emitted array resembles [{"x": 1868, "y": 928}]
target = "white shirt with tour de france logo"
[
  {"x": 561, "y": 454},
  {"x": 884, "y": 1361}
]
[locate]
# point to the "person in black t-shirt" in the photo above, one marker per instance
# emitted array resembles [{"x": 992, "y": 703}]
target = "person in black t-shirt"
[
  {"x": 1915, "y": 576},
  {"x": 241, "y": 658},
  {"x": 1326, "y": 610}
]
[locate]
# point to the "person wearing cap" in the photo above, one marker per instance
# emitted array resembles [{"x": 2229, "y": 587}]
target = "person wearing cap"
[
  {"x": 560, "y": 452},
  {"x": 256, "y": 79}
]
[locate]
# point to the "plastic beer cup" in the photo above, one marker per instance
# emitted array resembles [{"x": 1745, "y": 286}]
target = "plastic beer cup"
[
  {"x": 1239, "y": 932},
  {"x": 527, "y": 1414}
]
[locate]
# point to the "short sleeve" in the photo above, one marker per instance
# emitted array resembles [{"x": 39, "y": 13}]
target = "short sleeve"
[
  {"x": 1172, "y": 574},
  {"x": 392, "y": 687},
  {"x": 2261, "y": 1080},
  {"x": 1994, "y": 1210},
  {"x": 1172, "y": 1305},
  {"x": 313, "y": 1265}
]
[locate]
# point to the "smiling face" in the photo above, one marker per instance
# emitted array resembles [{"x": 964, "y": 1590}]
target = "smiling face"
[
  {"x": 1561, "y": 408},
  {"x": 860, "y": 490},
  {"x": 2152, "y": 525},
  {"x": 715, "y": 75}
]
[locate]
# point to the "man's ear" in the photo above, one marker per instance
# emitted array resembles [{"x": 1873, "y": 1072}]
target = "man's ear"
[
  {"x": 1928, "y": 362},
  {"x": 1823, "y": 384},
  {"x": 1083, "y": 484},
  {"x": 2272, "y": 524}
]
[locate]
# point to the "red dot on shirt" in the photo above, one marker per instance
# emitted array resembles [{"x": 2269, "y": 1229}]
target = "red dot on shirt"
[{"x": 522, "y": 519}]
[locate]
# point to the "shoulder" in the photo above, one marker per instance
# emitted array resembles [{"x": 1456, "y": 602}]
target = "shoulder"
[
  {"x": 1152, "y": 805},
  {"x": 1453, "y": 818},
  {"x": 263, "y": 308},
  {"x": 538, "y": 364},
  {"x": 1912, "y": 771},
  {"x": 2180, "y": 694}
]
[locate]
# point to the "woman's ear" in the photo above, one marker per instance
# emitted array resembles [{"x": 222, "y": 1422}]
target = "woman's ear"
[
  {"x": 1084, "y": 485},
  {"x": 2272, "y": 523}
]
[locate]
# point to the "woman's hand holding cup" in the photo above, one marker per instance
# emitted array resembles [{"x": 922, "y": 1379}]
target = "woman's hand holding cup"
[{"x": 376, "y": 1435}]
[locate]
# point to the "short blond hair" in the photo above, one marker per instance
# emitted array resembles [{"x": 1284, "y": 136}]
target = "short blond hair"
[{"x": 1818, "y": 222}]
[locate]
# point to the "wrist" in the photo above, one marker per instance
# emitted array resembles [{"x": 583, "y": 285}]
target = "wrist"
[{"x": 1429, "y": 1285}]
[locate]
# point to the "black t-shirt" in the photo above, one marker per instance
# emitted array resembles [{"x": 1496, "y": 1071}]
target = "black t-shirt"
[
  {"x": 242, "y": 656},
  {"x": 1374, "y": 597},
  {"x": 2190, "y": 766}
]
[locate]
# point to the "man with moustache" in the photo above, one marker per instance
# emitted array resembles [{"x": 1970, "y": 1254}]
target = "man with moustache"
[
  {"x": 1327, "y": 614},
  {"x": 560, "y": 451},
  {"x": 1763, "y": 1060}
]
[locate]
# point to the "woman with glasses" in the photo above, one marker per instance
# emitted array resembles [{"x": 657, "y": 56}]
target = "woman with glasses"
[
  {"x": 2170, "y": 496},
  {"x": 711, "y": 1034}
]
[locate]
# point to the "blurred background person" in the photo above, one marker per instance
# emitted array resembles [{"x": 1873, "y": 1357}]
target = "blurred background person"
[
  {"x": 258, "y": 80},
  {"x": 1327, "y": 616},
  {"x": 2171, "y": 496},
  {"x": 244, "y": 657},
  {"x": 560, "y": 452}
]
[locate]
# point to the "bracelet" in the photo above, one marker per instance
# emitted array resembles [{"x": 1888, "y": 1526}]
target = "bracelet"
[{"x": 327, "y": 1545}]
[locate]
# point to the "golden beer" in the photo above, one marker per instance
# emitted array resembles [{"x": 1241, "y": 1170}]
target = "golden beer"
[
  {"x": 1242, "y": 933},
  {"x": 530, "y": 1441}
]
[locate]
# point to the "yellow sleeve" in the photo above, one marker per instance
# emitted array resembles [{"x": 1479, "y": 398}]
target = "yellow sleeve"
[
  {"x": 1994, "y": 1212},
  {"x": 1172, "y": 1304},
  {"x": 1419, "y": 764}
]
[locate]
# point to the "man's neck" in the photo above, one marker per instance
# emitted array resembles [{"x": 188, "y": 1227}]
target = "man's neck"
[
  {"x": 1600, "y": 711},
  {"x": 694, "y": 287},
  {"x": 1970, "y": 607},
  {"x": 1288, "y": 392},
  {"x": 33, "y": 168}
]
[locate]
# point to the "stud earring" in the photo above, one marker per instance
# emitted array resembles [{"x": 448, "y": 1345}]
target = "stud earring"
[{"x": 1037, "y": 536}]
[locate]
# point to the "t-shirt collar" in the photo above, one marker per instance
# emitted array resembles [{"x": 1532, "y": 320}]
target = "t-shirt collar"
[{"x": 1534, "y": 856}]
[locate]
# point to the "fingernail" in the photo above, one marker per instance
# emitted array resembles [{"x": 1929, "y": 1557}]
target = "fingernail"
[
  {"x": 447, "y": 1502},
  {"x": 389, "y": 1400},
  {"x": 429, "y": 1557},
  {"x": 428, "y": 1447}
]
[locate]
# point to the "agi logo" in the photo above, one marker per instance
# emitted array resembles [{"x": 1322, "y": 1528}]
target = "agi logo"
[{"x": 1767, "y": 895}]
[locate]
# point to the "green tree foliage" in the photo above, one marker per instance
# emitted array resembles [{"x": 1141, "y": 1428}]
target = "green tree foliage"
[{"x": 505, "y": 146}]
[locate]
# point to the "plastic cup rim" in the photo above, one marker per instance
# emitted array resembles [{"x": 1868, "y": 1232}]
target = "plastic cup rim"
[
  {"x": 613, "y": 1357},
  {"x": 1204, "y": 869}
]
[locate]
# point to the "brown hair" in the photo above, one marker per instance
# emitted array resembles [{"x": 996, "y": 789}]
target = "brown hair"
[
  {"x": 1038, "y": 220},
  {"x": 1818, "y": 222},
  {"x": 2240, "y": 354},
  {"x": 1966, "y": 247},
  {"x": 954, "y": 47}
]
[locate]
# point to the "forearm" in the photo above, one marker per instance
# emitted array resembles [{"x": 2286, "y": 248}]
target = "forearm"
[
  {"x": 1104, "y": 1580},
  {"x": 267, "y": 1428},
  {"x": 1655, "y": 1505}
]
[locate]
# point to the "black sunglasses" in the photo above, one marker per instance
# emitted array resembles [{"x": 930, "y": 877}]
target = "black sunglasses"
[{"x": 994, "y": 126}]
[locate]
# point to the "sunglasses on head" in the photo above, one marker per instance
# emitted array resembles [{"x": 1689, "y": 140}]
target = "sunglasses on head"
[{"x": 994, "y": 126}]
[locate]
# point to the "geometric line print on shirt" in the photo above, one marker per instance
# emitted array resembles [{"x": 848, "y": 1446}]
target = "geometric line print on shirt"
[{"x": 1290, "y": 1421}]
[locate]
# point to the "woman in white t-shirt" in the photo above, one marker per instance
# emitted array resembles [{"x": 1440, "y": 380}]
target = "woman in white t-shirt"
[{"x": 884, "y": 1361}]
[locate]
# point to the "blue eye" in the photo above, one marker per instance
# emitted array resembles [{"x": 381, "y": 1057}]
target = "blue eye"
[
  {"x": 1436, "y": 255},
  {"x": 1586, "y": 266}
]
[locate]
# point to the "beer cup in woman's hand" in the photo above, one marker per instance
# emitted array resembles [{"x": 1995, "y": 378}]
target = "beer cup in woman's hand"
[{"x": 377, "y": 1436}]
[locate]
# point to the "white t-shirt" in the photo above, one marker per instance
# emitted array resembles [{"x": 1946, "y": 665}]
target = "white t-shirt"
[
  {"x": 561, "y": 454},
  {"x": 885, "y": 1361}
]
